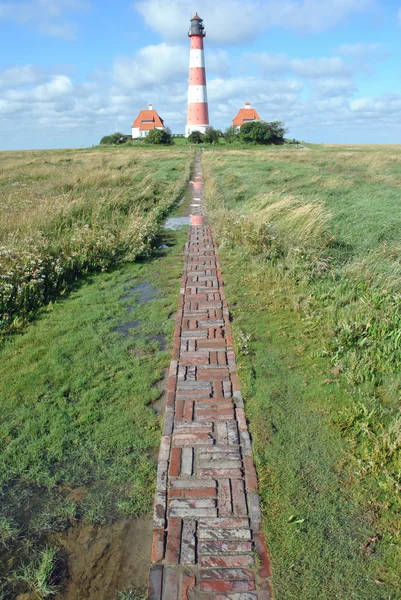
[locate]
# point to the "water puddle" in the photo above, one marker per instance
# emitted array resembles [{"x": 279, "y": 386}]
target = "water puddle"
[
  {"x": 126, "y": 328},
  {"x": 160, "y": 339},
  {"x": 145, "y": 292},
  {"x": 176, "y": 223}
]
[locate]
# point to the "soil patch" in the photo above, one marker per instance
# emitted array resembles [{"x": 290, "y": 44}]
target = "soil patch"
[{"x": 103, "y": 560}]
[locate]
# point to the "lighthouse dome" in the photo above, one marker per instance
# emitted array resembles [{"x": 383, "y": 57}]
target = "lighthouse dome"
[{"x": 197, "y": 26}]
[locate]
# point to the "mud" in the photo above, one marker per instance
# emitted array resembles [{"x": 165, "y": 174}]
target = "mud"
[{"x": 101, "y": 561}]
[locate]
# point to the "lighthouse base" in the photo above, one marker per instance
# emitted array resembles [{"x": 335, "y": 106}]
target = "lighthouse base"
[{"x": 190, "y": 128}]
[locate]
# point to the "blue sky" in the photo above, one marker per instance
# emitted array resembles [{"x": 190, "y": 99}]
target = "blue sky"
[{"x": 72, "y": 71}]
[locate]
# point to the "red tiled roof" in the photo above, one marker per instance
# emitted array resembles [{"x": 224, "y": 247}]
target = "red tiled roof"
[
  {"x": 151, "y": 119},
  {"x": 244, "y": 115},
  {"x": 197, "y": 17}
]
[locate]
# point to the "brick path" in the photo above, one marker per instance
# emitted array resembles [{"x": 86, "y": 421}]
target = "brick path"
[{"x": 207, "y": 542}]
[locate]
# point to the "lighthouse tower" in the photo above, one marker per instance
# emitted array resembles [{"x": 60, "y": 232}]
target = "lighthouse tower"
[{"x": 198, "y": 113}]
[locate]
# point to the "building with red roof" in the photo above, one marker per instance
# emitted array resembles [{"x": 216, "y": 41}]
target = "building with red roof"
[
  {"x": 145, "y": 122},
  {"x": 245, "y": 115}
]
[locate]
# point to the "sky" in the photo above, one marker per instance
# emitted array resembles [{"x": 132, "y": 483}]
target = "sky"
[{"x": 72, "y": 71}]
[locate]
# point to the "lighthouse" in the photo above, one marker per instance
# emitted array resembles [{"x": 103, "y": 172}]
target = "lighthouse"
[{"x": 198, "y": 112}]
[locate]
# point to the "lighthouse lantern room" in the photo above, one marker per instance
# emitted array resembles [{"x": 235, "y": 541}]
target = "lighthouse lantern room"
[{"x": 198, "y": 113}]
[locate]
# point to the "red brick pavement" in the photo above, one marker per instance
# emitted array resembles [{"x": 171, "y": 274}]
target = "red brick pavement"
[{"x": 207, "y": 541}]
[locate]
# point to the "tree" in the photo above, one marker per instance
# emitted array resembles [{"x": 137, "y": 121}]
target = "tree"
[
  {"x": 114, "y": 138},
  {"x": 195, "y": 137},
  {"x": 211, "y": 135},
  {"x": 262, "y": 132},
  {"x": 231, "y": 134},
  {"x": 159, "y": 136}
]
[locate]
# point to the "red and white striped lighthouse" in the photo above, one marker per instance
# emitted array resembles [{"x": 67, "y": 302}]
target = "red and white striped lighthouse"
[{"x": 198, "y": 112}]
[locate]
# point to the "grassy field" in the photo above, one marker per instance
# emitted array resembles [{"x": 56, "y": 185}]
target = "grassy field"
[
  {"x": 64, "y": 213},
  {"x": 81, "y": 387},
  {"x": 311, "y": 255}
]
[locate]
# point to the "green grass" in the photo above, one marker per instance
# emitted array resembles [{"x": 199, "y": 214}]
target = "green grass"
[
  {"x": 316, "y": 314},
  {"x": 67, "y": 213},
  {"x": 76, "y": 399}
]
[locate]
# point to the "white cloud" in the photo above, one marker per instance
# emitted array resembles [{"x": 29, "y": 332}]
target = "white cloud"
[
  {"x": 226, "y": 21},
  {"x": 386, "y": 105},
  {"x": 309, "y": 67},
  {"x": 58, "y": 111},
  {"x": 152, "y": 66},
  {"x": 333, "y": 87},
  {"x": 361, "y": 50},
  {"x": 314, "y": 15},
  {"x": 16, "y": 76},
  {"x": 235, "y": 21},
  {"x": 46, "y": 16},
  {"x": 58, "y": 87}
]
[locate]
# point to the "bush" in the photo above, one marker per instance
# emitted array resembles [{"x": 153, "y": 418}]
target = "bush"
[
  {"x": 231, "y": 135},
  {"x": 159, "y": 136},
  {"x": 196, "y": 137},
  {"x": 211, "y": 135},
  {"x": 114, "y": 138},
  {"x": 263, "y": 132}
]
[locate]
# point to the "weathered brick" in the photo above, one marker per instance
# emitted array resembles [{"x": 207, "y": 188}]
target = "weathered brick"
[
  {"x": 168, "y": 423},
  {"x": 155, "y": 583},
  {"x": 250, "y": 474},
  {"x": 192, "y": 439},
  {"x": 225, "y": 523},
  {"x": 219, "y": 450},
  {"x": 239, "y": 596},
  {"x": 187, "y": 587},
  {"x": 192, "y": 512},
  {"x": 243, "y": 535},
  {"x": 159, "y": 510},
  {"x": 239, "y": 500},
  {"x": 157, "y": 545},
  {"x": 221, "y": 586},
  {"x": 192, "y": 484},
  {"x": 164, "y": 450},
  {"x": 161, "y": 476},
  {"x": 188, "y": 542},
  {"x": 192, "y": 502},
  {"x": 175, "y": 462},
  {"x": 254, "y": 509},
  {"x": 227, "y": 561},
  {"x": 230, "y": 457},
  {"x": 246, "y": 443},
  {"x": 224, "y": 503},
  {"x": 232, "y": 433},
  {"x": 194, "y": 493},
  {"x": 215, "y": 472},
  {"x": 212, "y": 374},
  {"x": 205, "y": 427},
  {"x": 220, "y": 464},
  {"x": 170, "y": 584},
  {"x": 213, "y": 546},
  {"x": 222, "y": 433},
  {"x": 187, "y": 461},
  {"x": 241, "y": 420},
  {"x": 173, "y": 541},
  {"x": 261, "y": 549}
]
